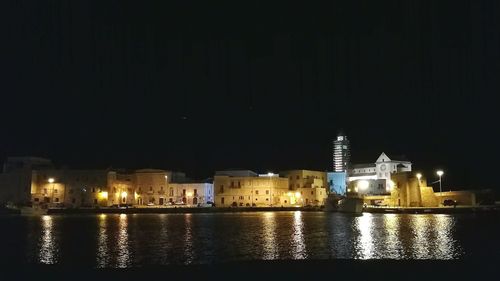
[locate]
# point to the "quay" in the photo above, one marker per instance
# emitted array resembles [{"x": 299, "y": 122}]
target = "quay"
[
  {"x": 179, "y": 210},
  {"x": 431, "y": 210}
]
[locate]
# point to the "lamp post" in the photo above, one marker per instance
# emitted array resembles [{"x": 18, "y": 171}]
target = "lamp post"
[
  {"x": 419, "y": 176},
  {"x": 440, "y": 174},
  {"x": 270, "y": 189},
  {"x": 51, "y": 180}
]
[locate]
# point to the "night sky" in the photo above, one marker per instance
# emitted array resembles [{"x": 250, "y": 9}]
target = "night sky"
[{"x": 198, "y": 87}]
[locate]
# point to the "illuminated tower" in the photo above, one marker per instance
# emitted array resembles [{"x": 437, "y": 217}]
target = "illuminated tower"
[{"x": 341, "y": 153}]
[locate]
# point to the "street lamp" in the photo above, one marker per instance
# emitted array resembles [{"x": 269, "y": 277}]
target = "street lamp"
[
  {"x": 51, "y": 180},
  {"x": 270, "y": 189},
  {"x": 440, "y": 174},
  {"x": 419, "y": 176}
]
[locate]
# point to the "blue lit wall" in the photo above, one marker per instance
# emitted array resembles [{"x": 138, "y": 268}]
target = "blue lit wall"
[{"x": 337, "y": 182}]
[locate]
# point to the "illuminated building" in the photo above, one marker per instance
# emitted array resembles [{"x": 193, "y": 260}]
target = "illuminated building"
[
  {"x": 191, "y": 193},
  {"x": 247, "y": 188},
  {"x": 341, "y": 153},
  {"x": 310, "y": 186},
  {"x": 378, "y": 174},
  {"x": 16, "y": 178}
]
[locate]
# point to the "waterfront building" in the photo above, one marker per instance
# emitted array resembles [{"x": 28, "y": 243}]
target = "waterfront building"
[
  {"x": 16, "y": 178},
  {"x": 341, "y": 153},
  {"x": 374, "y": 178},
  {"x": 247, "y": 188},
  {"x": 337, "y": 182},
  {"x": 191, "y": 193},
  {"x": 80, "y": 188},
  {"x": 150, "y": 186},
  {"x": 308, "y": 187}
]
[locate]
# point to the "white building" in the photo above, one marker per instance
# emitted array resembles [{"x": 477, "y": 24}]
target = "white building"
[{"x": 375, "y": 178}]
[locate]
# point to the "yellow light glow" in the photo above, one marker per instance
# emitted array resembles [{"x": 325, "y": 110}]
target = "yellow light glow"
[
  {"x": 297, "y": 194},
  {"x": 124, "y": 194},
  {"x": 348, "y": 190},
  {"x": 363, "y": 185},
  {"x": 439, "y": 173},
  {"x": 103, "y": 195},
  {"x": 419, "y": 176},
  {"x": 289, "y": 194},
  {"x": 51, "y": 180},
  {"x": 189, "y": 194}
]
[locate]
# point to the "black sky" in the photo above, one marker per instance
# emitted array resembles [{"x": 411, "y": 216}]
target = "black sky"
[{"x": 201, "y": 86}]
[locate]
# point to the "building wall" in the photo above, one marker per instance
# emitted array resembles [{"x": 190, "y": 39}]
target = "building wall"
[
  {"x": 151, "y": 186},
  {"x": 337, "y": 182},
  {"x": 305, "y": 178},
  {"x": 73, "y": 188},
  {"x": 250, "y": 191},
  {"x": 191, "y": 193}
]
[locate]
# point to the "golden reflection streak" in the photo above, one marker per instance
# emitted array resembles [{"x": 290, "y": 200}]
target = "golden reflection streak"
[
  {"x": 48, "y": 246},
  {"x": 269, "y": 232},
  {"x": 393, "y": 243},
  {"x": 123, "y": 257},
  {"x": 364, "y": 248},
  {"x": 421, "y": 244},
  {"x": 188, "y": 238},
  {"x": 445, "y": 244},
  {"x": 102, "y": 245},
  {"x": 298, "y": 246}
]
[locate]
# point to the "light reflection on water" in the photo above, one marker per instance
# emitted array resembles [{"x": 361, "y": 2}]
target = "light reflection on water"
[
  {"x": 135, "y": 240},
  {"x": 188, "y": 238},
  {"x": 298, "y": 245},
  {"x": 364, "y": 243},
  {"x": 270, "y": 245},
  {"x": 102, "y": 243},
  {"x": 48, "y": 246},
  {"x": 122, "y": 259}
]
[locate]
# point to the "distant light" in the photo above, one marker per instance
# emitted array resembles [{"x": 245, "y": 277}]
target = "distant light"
[
  {"x": 51, "y": 180},
  {"x": 439, "y": 173},
  {"x": 297, "y": 194},
  {"x": 104, "y": 195},
  {"x": 419, "y": 176},
  {"x": 124, "y": 194},
  {"x": 363, "y": 185},
  {"x": 270, "y": 174},
  {"x": 189, "y": 194}
]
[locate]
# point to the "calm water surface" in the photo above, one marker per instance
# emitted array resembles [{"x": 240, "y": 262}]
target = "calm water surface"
[{"x": 149, "y": 239}]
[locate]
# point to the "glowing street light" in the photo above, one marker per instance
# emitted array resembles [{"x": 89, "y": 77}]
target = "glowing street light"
[
  {"x": 363, "y": 185},
  {"x": 419, "y": 176},
  {"x": 440, "y": 174},
  {"x": 52, "y": 180}
]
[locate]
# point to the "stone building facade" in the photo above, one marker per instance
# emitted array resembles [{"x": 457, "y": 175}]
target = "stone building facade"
[
  {"x": 247, "y": 188},
  {"x": 310, "y": 187}
]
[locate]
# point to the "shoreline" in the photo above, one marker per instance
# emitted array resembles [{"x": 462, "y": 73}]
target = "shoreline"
[{"x": 199, "y": 210}]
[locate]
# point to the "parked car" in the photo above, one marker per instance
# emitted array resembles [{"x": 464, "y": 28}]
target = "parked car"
[{"x": 449, "y": 202}]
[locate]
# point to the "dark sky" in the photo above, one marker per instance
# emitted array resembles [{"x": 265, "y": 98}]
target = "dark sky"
[{"x": 203, "y": 86}]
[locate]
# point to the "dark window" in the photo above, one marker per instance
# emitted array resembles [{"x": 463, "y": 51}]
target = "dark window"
[
  {"x": 57, "y": 199},
  {"x": 297, "y": 177},
  {"x": 256, "y": 192},
  {"x": 150, "y": 188},
  {"x": 55, "y": 191},
  {"x": 267, "y": 192},
  {"x": 183, "y": 192},
  {"x": 36, "y": 199},
  {"x": 195, "y": 192},
  {"x": 73, "y": 200},
  {"x": 95, "y": 201}
]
